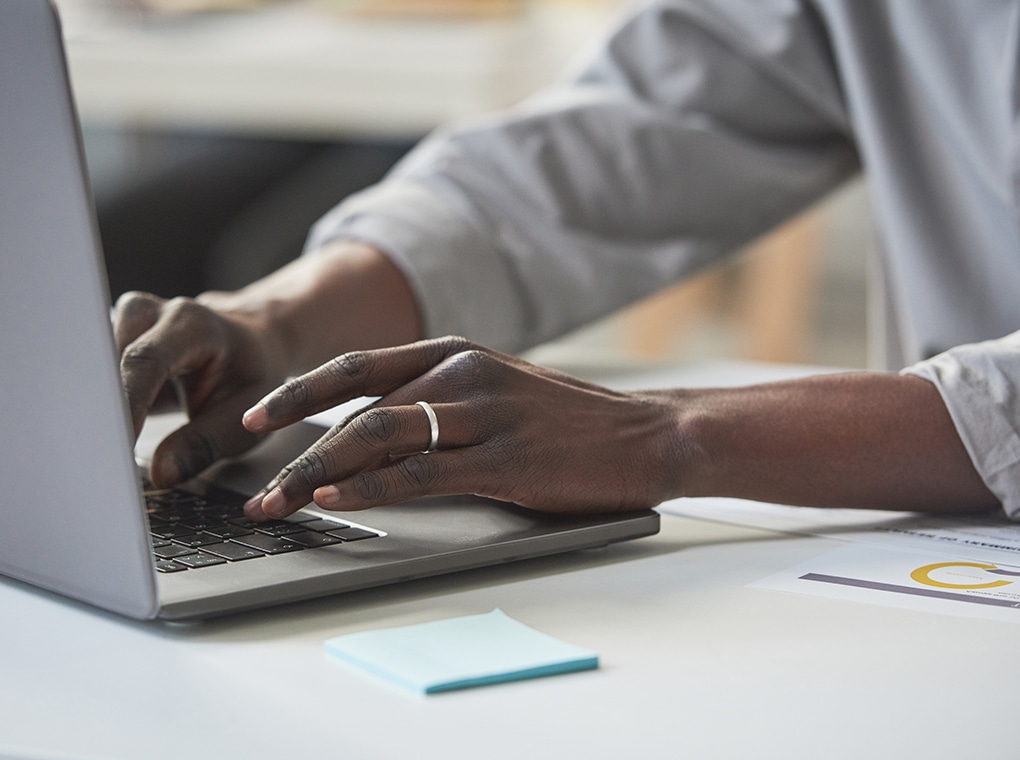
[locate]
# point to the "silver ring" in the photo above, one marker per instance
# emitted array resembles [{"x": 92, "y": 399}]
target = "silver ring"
[{"x": 433, "y": 425}]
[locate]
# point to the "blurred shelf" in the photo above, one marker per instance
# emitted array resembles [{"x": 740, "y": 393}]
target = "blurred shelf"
[{"x": 297, "y": 70}]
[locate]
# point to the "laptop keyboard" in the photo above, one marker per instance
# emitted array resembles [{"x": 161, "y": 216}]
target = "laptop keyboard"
[{"x": 191, "y": 531}]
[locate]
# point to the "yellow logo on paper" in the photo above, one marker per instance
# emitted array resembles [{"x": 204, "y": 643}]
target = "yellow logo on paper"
[{"x": 923, "y": 575}]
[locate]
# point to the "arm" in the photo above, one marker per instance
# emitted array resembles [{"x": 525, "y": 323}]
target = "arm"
[
  {"x": 871, "y": 440},
  {"x": 517, "y": 432},
  {"x": 516, "y": 229},
  {"x": 695, "y": 128},
  {"x": 342, "y": 296}
]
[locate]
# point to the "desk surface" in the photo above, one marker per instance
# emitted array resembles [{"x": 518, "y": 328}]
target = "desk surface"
[
  {"x": 694, "y": 664},
  {"x": 294, "y": 70}
]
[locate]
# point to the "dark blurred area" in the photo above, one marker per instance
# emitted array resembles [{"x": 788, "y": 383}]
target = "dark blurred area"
[{"x": 181, "y": 213}]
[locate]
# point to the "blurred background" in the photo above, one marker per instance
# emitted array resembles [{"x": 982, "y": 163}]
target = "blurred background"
[{"x": 217, "y": 131}]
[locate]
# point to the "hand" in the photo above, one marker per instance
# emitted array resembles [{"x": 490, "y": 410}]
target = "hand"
[
  {"x": 507, "y": 430},
  {"x": 213, "y": 362}
]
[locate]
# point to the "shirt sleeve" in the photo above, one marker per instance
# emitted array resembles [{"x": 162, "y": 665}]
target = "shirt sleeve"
[
  {"x": 696, "y": 127},
  {"x": 980, "y": 385}
]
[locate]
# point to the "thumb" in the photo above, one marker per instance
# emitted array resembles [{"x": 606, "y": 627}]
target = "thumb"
[{"x": 205, "y": 439}]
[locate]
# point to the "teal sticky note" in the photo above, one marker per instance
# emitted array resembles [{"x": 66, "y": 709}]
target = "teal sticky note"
[{"x": 460, "y": 652}]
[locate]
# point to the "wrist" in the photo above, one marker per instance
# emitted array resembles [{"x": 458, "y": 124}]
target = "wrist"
[
  {"x": 679, "y": 456},
  {"x": 345, "y": 296}
]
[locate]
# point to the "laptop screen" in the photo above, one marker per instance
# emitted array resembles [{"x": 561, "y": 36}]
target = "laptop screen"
[{"x": 67, "y": 442}]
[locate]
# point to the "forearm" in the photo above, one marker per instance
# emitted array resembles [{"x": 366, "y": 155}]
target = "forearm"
[
  {"x": 343, "y": 297},
  {"x": 847, "y": 440}
]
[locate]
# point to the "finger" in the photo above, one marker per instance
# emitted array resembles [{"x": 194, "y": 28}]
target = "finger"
[
  {"x": 369, "y": 441},
  {"x": 440, "y": 474},
  {"x": 207, "y": 437},
  {"x": 360, "y": 373},
  {"x": 282, "y": 474},
  {"x": 171, "y": 398},
  {"x": 175, "y": 344},
  {"x": 133, "y": 314}
]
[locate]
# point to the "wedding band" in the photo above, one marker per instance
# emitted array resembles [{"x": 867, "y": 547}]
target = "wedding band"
[{"x": 433, "y": 425}]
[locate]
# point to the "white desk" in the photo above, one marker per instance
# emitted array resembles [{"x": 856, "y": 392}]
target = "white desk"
[
  {"x": 294, "y": 70},
  {"x": 694, "y": 665}
]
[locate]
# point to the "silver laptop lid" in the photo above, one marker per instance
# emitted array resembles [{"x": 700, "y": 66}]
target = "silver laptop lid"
[{"x": 70, "y": 516}]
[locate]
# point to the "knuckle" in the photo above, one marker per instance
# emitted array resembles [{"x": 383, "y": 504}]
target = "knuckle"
[
  {"x": 182, "y": 304},
  {"x": 473, "y": 357},
  {"x": 347, "y": 366},
  {"x": 417, "y": 471},
  {"x": 190, "y": 314},
  {"x": 293, "y": 393},
  {"x": 376, "y": 426},
  {"x": 309, "y": 470},
  {"x": 504, "y": 452},
  {"x": 186, "y": 312},
  {"x": 455, "y": 344},
  {"x": 139, "y": 356},
  {"x": 414, "y": 474},
  {"x": 135, "y": 303},
  {"x": 129, "y": 297},
  {"x": 469, "y": 363},
  {"x": 439, "y": 350},
  {"x": 471, "y": 370},
  {"x": 369, "y": 486}
]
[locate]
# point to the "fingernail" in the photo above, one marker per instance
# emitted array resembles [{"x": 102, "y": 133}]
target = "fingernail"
[
  {"x": 253, "y": 507},
  {"x": 256, "y": 417},
  {"x": 327, "y": 496},
  {"x": 275, "y": 503},
  {"x": 165, "y": 472}
]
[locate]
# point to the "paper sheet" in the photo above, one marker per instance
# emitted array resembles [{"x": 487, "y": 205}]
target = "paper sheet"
[
  {"x": 907, "y": 580},
  {"x": 988, "y": 538},
  {"x": 460, "y": 652}
]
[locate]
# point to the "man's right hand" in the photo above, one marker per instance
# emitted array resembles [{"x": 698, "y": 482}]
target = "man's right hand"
[
  {"x": 217, "y": 355},
  {"x": 211, "y": 362}
]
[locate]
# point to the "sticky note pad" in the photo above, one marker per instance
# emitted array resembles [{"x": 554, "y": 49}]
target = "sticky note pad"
[{"x": 460, "y": 652}]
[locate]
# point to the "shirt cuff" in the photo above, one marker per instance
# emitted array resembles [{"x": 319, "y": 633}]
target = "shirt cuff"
[
  {"x": 462, "y": 284},
  {"x": 980, "y": 386}
]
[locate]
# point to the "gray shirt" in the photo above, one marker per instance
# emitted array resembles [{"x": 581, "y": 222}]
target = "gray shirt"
[{"x": 698, "y": 126}]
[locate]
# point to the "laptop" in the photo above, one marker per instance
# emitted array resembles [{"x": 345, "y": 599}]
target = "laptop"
[{"x": 73, "y": 516}]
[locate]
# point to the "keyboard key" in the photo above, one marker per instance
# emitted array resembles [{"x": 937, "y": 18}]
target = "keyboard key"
[
  {"x": 244, "y": 522},
  {"x": 311, "y": 540},
  {"x": 173, "y": 499},
  {"x": 268, "y": 544},
  {"x": 169, "y": 517},
  {"x": 200, "y": 559},
  {"x": 233, "y": 551},
  {"x": 169, "y": 531},
  {"x": 352, "y": 534},
  {"x": 228, "y": 531},
  {"x": 169, "y": 566},
  {"x": 323, "y": 525},
  {"x": 223, "y": 496},
  {"x": 196, "y": 539},
  {"x": 199, "y": 522},
  {"x": 222, "y": 513},
  {"x": 192, "y": 531},
  {"x": 171, "y": 551},
  {"x": 278, "y": 528}
]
